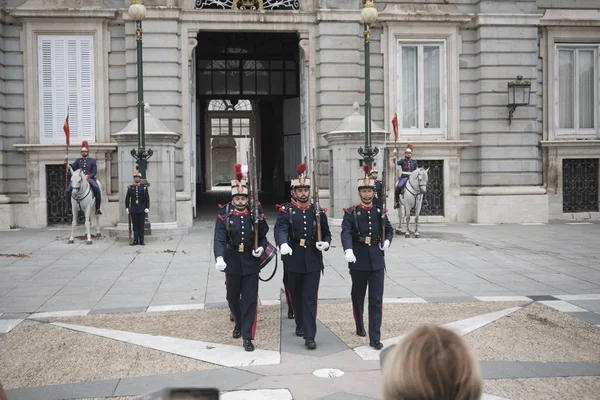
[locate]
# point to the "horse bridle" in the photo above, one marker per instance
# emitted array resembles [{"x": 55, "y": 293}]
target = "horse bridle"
[
  {"x": 80, "y": 199},
  {"x": 418, "y": 191}
]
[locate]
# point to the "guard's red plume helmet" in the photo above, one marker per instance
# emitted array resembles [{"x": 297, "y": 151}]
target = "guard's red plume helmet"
[
  {"x": 301, "y": 168},
  {"x": 238, "y": 172},
  {"x": 367, "y": 169}
]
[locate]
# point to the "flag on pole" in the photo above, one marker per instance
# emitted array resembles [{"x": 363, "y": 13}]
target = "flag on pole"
[
  {"x": 66, "y": 129},
  {"x": 395, "y": 125}
]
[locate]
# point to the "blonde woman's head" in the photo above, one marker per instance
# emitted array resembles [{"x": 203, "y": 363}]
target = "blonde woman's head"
[{"x": 431, "y": 363}]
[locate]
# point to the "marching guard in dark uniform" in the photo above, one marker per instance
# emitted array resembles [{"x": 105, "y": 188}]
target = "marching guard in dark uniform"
[
  {"x": 234, "y": 255},
  {"x": 295, "y": 234},
  {"x": 361, "y": 230},
  {"x": 137, "y": 205}
]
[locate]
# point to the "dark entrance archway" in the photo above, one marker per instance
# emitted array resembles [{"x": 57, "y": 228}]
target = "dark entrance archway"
[{"x": 247, "y": 85}]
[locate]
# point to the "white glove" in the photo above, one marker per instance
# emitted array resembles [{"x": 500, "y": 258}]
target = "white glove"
[
  {"x": 258, "y": 252},
  {"x": 146, "y": 210},
  {"x": 386, "y": 245},
  {"x": 285, "y": 249},
  {"x": 350, "y": 256},
  {"x": 127, "y": 210},
  {"x": 322, "y": 246},
  {"x": 220, "y": 265}
]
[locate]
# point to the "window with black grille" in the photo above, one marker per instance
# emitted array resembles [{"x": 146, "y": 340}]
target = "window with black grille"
[
  {"x": 247, "y": 65},
  {"x": 433, "y": 201},
  {"x": 248, "y": 4},
  {"x": 59, "y": 209},
  {"x": 580, "y": 185}
]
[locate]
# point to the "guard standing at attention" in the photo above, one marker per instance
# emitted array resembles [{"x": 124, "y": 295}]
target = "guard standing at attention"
[
  {"x": 361, "y": 240},
  {"x": 301, "y": 253},
  {"x": 234, "y": 255},
  {"x": 137, "y": 204},
  {"x": 378, "y": 201}
]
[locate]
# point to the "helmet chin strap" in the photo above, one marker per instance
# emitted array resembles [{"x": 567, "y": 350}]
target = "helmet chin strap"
[{"x": 240, "y": 207}]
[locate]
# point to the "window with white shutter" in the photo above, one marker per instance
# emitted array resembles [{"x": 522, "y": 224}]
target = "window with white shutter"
[
  {"x": 421, "y": 86},
  {"x": 66, "y": 82},
  {"x": 577, "y": 82}
]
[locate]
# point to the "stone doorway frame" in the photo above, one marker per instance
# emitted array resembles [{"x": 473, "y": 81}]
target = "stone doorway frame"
[{"x": 303, "y": 24}]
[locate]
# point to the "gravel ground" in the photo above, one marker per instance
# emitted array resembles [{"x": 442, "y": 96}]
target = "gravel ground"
[
  {"x": 537, "y": 333},
  {"x": 37, "y": 354},
  {"x": 211, "y": 325},
  {"x": 578, "y": 388},
  {"x": 401, "y": 318}
]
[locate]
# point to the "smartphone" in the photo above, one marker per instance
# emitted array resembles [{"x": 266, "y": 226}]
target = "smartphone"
[{"x": 183, "y": 394}]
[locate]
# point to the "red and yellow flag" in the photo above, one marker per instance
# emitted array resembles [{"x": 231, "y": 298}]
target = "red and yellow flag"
[
  {"x": 395, "y": 125},
  {"x": 67, "y": 130}
]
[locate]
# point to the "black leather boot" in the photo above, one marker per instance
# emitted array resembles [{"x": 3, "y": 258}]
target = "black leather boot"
[
  {"x": 248, "y": 346},
  {"x": 98, "y": 211}
]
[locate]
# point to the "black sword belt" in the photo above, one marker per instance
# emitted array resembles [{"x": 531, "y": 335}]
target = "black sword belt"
[
  {"x": 240, "y": 248},
  {"x": 368, "y": 240},
  {"x": 304, "y": 242}
]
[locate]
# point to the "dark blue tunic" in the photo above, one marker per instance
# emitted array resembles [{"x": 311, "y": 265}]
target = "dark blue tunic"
[
  {"x": 296, "y": 226},
  {"x": 233, "y": 229},
  {"x": 369, "y": 257}
]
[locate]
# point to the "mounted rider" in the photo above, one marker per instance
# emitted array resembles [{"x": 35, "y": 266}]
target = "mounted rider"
[
  {"x": 407, "y": 165},
  {"x": 89, "y": 168}
]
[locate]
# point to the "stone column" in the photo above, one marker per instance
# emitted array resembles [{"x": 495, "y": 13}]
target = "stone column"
[
  {"x": 160, "y": 173},
  {"x": 346, "y": 169}
]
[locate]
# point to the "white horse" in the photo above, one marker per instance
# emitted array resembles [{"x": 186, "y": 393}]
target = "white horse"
[
  {"x": 415, "y": 188},
  {"x": 82, "y": 198}
]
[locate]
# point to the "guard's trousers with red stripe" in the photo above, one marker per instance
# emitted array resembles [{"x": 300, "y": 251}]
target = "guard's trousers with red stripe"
[
  {"x": 242, "y": 296},
  {"x": 304, "y": 290},
  {"x": 374, "y": 281}
]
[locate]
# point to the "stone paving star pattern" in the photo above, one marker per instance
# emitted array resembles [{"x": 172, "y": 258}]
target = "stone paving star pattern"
[{"x": 546, "y": 346}]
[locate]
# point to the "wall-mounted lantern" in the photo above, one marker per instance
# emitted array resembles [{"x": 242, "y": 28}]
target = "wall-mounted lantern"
[{"x": 518, "y": 95}]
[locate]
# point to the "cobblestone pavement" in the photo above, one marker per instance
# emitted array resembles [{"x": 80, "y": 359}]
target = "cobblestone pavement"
[{"x": 548, "y": 276}]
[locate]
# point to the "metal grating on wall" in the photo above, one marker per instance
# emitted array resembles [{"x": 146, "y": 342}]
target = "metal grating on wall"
[
  {"x": 580, "y": 185},
  {"x": 59, "y": 210},
  {"x": 246, "y": 4},
  {"x": 433, "y": 203}
]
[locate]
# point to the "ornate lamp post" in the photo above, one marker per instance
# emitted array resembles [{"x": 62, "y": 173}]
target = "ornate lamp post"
[
  {"x": 137, "y": 11},
  {"x": 368, "y": 16}
]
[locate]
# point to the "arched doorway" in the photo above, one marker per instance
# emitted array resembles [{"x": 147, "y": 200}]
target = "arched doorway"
[
  {"x": 230, "y": 125},
  {"x": 247, "y": 86}
]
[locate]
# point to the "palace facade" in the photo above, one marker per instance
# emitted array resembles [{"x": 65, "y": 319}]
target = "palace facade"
[{"x": 287, "y": 74}]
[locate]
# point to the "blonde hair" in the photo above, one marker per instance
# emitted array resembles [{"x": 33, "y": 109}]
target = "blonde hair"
[{"x": 431, "y": 363}]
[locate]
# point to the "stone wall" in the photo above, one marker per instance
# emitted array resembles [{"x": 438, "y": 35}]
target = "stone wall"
[
  {"x": 2, "y": 88},
  {"x": 341, "y": 80},
  {"x": 543, "y": 5},
  {"x": 338, "y": 82},
  {"x": 117, "y": 90},
  {"x": 495, "y": 52},
  {"x": 162, "y": 74},
  {"x": 15, "y": 181}
]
